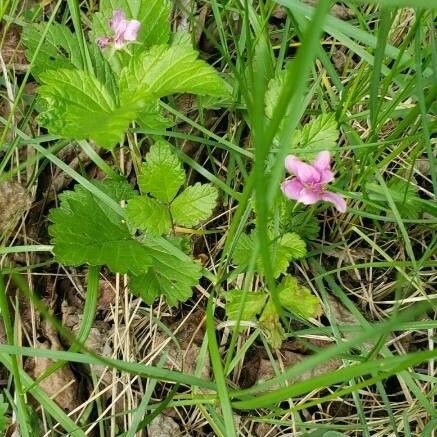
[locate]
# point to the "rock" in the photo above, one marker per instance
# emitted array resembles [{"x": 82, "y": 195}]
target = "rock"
[
  {"x": 14, "y": 202},
  {"x": 163, "y": 426}
]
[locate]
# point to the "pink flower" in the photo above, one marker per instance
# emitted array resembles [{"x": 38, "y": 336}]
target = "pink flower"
[
  {"x": 308, "y": 185},
  {"x": 124, "y": 31}
]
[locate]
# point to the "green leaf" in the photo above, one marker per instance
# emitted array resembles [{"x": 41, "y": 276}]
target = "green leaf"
[
  {"x": 319, "y": 134},
  {"x": 4, "y": 420},
  {"x": 298, "y": 299},
  {"x": 103, "y": 70},
  {"x": 149, "y": 215},
  {"x": 274, "y": 90},
  {"x": 162, "y": 174},
  {"x": 272, "y": 326},
  {"x": 119, "y": 190},
  {"x": 151, "y": 117},
  {"x": 85, "y": 231},
  {"x": 172, "y": 274},
  {"x": 253, "y": 304},
  {"x": 154, "y": 16},
  {"x": 292, "y": 247},
  {"x": 243, "y": 250},
  {"x": 194, "y": 205},
  {"x": 60, "y": 49},
  {"x": 297, "y": 220},
  {"x": 164, "y": 70},
  {"x": 289, "y": 247},
  {"x": 79, "y": 106}
]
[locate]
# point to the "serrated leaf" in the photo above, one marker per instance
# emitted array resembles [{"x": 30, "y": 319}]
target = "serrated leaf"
[
  {"x": 149, "y": 215},
  {"x": 298, "y": 221},
  {"x": 194, "y": 205},
  {"x": 274, "y": 90},
  {"x": 164, "y": 70},
  {"x": 298, "y": 299},
  {"x": 243, "y": 250},
  {"x": 292, "y": 246},
  {"x": 287, "y": 249},
  {"x": 60, "y": 49},
  {"x": 319, "y": 134},
  {"x": 119, "y": 190},
  {"x": 182, "y": 242},
  {"x": 172, "y": 275},
  {"x": 162, "y": 174},
  {"x": 272, "y": 326},
  {"x": 253, "y": 304},
  {"x": 80, "y": 107},
  {"x": 151, "y": 117},
  {"x": 85, "y": 231},
  {"x": 154, "y": 16},
  {"x": 182, "y": 38},
  {"x": 103, "y": 70}
]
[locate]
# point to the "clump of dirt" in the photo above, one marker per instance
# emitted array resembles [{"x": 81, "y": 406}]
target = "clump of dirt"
[{"x": 14, "y": 202}]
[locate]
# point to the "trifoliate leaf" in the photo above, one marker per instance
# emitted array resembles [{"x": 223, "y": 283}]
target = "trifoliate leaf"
[
  {"x": 172, "y": 274},
  {"x": 298, "y": 299},
  {"x": 85, "y": 231},
  {"x": 80, "y": 107},
  {"x": 164, "y": 70},
  {"x": 319, "y": 134},
  {"x": 272, "y": 326},
  {"x": 149, "y": 215},
  {"x": 194, "y": 205},
  {"x": 162, "y": 174},
  {"x": 288, "y": 248},
  {"x": 154, "y": 16},
  {"x": 253, "y": 304}
]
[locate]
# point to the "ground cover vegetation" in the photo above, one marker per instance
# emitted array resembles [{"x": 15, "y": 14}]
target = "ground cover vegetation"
[{"x": 218, "y": 218}]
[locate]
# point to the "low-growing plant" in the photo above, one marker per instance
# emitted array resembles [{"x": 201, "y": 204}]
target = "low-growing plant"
[{"x": 130, "y": 62}]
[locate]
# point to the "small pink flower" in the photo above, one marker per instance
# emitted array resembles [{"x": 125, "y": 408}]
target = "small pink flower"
[
  {"x": 308, "y": 185},
  {"x": 124, "y": 31}
]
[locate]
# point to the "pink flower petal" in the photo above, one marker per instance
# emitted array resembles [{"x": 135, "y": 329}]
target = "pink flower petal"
[
  {"x": 308, "y": 196},
  {"x": 118, "y": 17},
  {"x": 305, "y": 172},
  {"x": 322, "y": 161},
  {"x": 336, "y": 199},
  {"x": 120, "y": 30},
  {"x": 326, "y": 176},
  {"x": 292, "y": 188},
  {"x": 132, "y": 27}
]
